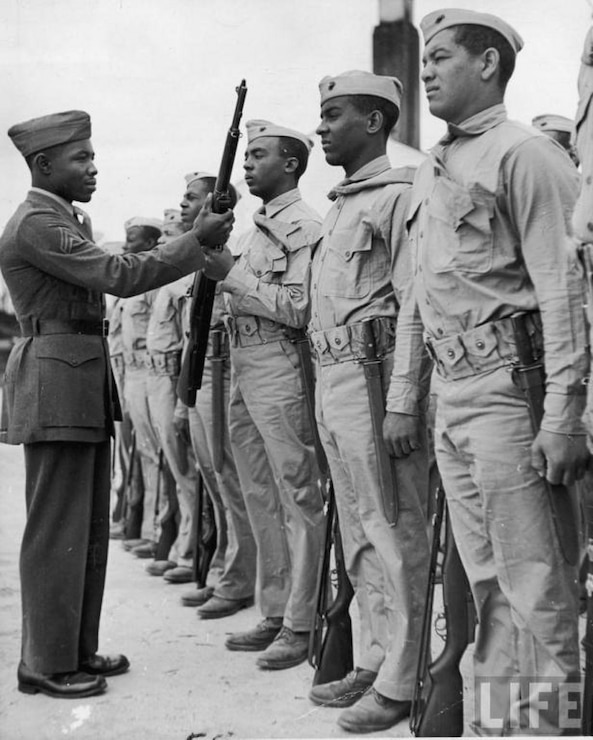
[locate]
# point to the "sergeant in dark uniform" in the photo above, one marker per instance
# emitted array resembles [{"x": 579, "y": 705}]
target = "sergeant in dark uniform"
[{"x": 60, "y": 399}]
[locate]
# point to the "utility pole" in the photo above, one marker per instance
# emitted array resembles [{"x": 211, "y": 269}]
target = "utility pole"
[{"x": 396, "y": 51}]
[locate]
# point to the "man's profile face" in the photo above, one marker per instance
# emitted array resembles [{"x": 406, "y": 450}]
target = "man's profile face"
[
  {"x": 451, "y": 77},
  {"x": 264, "y": 166},
  {"x": 72, "y": 172},
  {"x": 342, "y": 130},
  {"x": 171, "y": 231},
  {"x": 193, "y": 201}
]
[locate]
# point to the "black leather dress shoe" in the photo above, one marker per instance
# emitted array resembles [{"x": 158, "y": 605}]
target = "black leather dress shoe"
[
  {"x": 105, "y": 665},
  {"x": 74, "y": 685}
]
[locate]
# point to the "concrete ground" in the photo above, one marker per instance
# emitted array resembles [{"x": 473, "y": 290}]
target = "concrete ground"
[{"x": 183, "y": 683}]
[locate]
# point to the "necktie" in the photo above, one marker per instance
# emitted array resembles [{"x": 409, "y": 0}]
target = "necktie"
[{"x": 84, "y": 220}]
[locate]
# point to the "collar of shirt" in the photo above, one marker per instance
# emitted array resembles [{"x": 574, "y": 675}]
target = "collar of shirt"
[
  {"x": 477, "y": 124},
  {"x": 280, "y": 202},
  {"x": 378, "y": 170},
  {"x": 68, "y": 207},
  {"x": 370, "y": 169}
]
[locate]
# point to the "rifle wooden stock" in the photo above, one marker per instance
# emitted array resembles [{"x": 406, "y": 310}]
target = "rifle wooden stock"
[
  {"x": 205, "y": 534},
  {"x": 129, "y": 473},
  {"x": 587, "y": 702},
  {"x": 438, "y": 698},
  {"x": 323, "y": 588},
  {"x": 418, "y": 700},
  {"x": 330, "y": 646},
  {"x": 529, "y": 375},
  {"x": 128, "y": 477},
  {"x": 204, "y": 289}
]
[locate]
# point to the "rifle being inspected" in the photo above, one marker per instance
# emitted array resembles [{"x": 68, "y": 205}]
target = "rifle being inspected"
[{"x": 203, "y": 289}]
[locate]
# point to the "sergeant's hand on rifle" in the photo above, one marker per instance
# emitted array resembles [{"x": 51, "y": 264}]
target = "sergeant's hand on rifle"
[
  {"x": 212, "y": 229},
  {"x": 218, "y": 262},
  {"x": 401, "y": 433}
]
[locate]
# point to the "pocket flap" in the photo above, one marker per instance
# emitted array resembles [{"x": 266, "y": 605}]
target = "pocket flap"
[
  {"x": 68, "y": 349},
  {"x": 483, "y": 341}
]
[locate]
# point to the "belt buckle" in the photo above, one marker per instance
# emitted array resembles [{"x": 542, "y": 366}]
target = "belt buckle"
[{"x": 105, "y": 328}]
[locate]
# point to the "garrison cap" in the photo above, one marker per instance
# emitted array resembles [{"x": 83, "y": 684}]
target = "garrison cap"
[
  {"x": 36, "y": 134},
  {"x": 438, "y": 20},
  {"x": 258, "y": 128},
  {"x": 171, "y": 216},
  {"x": 358, "y": 82},
  {"x": 141, "y": 221},
  {"x": 553, "y": 122},
  {"x": 197, "y": 175},
  {"x": 200, "y": 175}
]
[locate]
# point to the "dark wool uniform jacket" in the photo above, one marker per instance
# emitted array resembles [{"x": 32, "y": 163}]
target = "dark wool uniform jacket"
[{"x": 60, "y": 386}]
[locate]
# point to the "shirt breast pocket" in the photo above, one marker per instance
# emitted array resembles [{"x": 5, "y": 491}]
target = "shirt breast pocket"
[
  {"x": 461, "y": 235},
  {"x": 269, "y": 266},
  {"x": 347, "y": 268}
]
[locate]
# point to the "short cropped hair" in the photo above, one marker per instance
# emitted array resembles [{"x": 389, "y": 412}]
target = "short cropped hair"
[
  {"x": 290, "y": 147},
  {"x": 366, "y": 104},
  {"x": 150, "y": 232},
  {"x": 476, "y": 39},
  {"x": 210, "y": 184}
]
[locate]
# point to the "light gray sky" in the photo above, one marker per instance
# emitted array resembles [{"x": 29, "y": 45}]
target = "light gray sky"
[{"x": 158, "y": 78}]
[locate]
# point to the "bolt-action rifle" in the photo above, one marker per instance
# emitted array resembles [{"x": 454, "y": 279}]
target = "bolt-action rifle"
[
  {"x": 203, "y": 289},
  {"x": 330, "y": 640},
  {"x": 205, "y": 534},
  {"x": 128, "y": 476},
  {"x": 587, "y": 703},
  {"x": 437, "y": 703}
]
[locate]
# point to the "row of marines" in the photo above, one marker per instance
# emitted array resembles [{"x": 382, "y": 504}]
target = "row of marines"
[{"x": 434, "y": 263}]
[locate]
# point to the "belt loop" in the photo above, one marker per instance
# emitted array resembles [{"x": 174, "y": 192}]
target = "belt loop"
[{"x": 105, "y": 327}]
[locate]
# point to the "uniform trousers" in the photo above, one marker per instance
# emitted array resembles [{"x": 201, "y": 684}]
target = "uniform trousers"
[
  {"x": 387, "y": 566},
  {"x": 162, "y": 399},
  {"x": 147, "y": 446},
  {"x": 237, "y": 580},
  {"x": 272, "y": 443},
  {"x": 526, "y": 595},
  {"x": 64, "y": 552}
]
